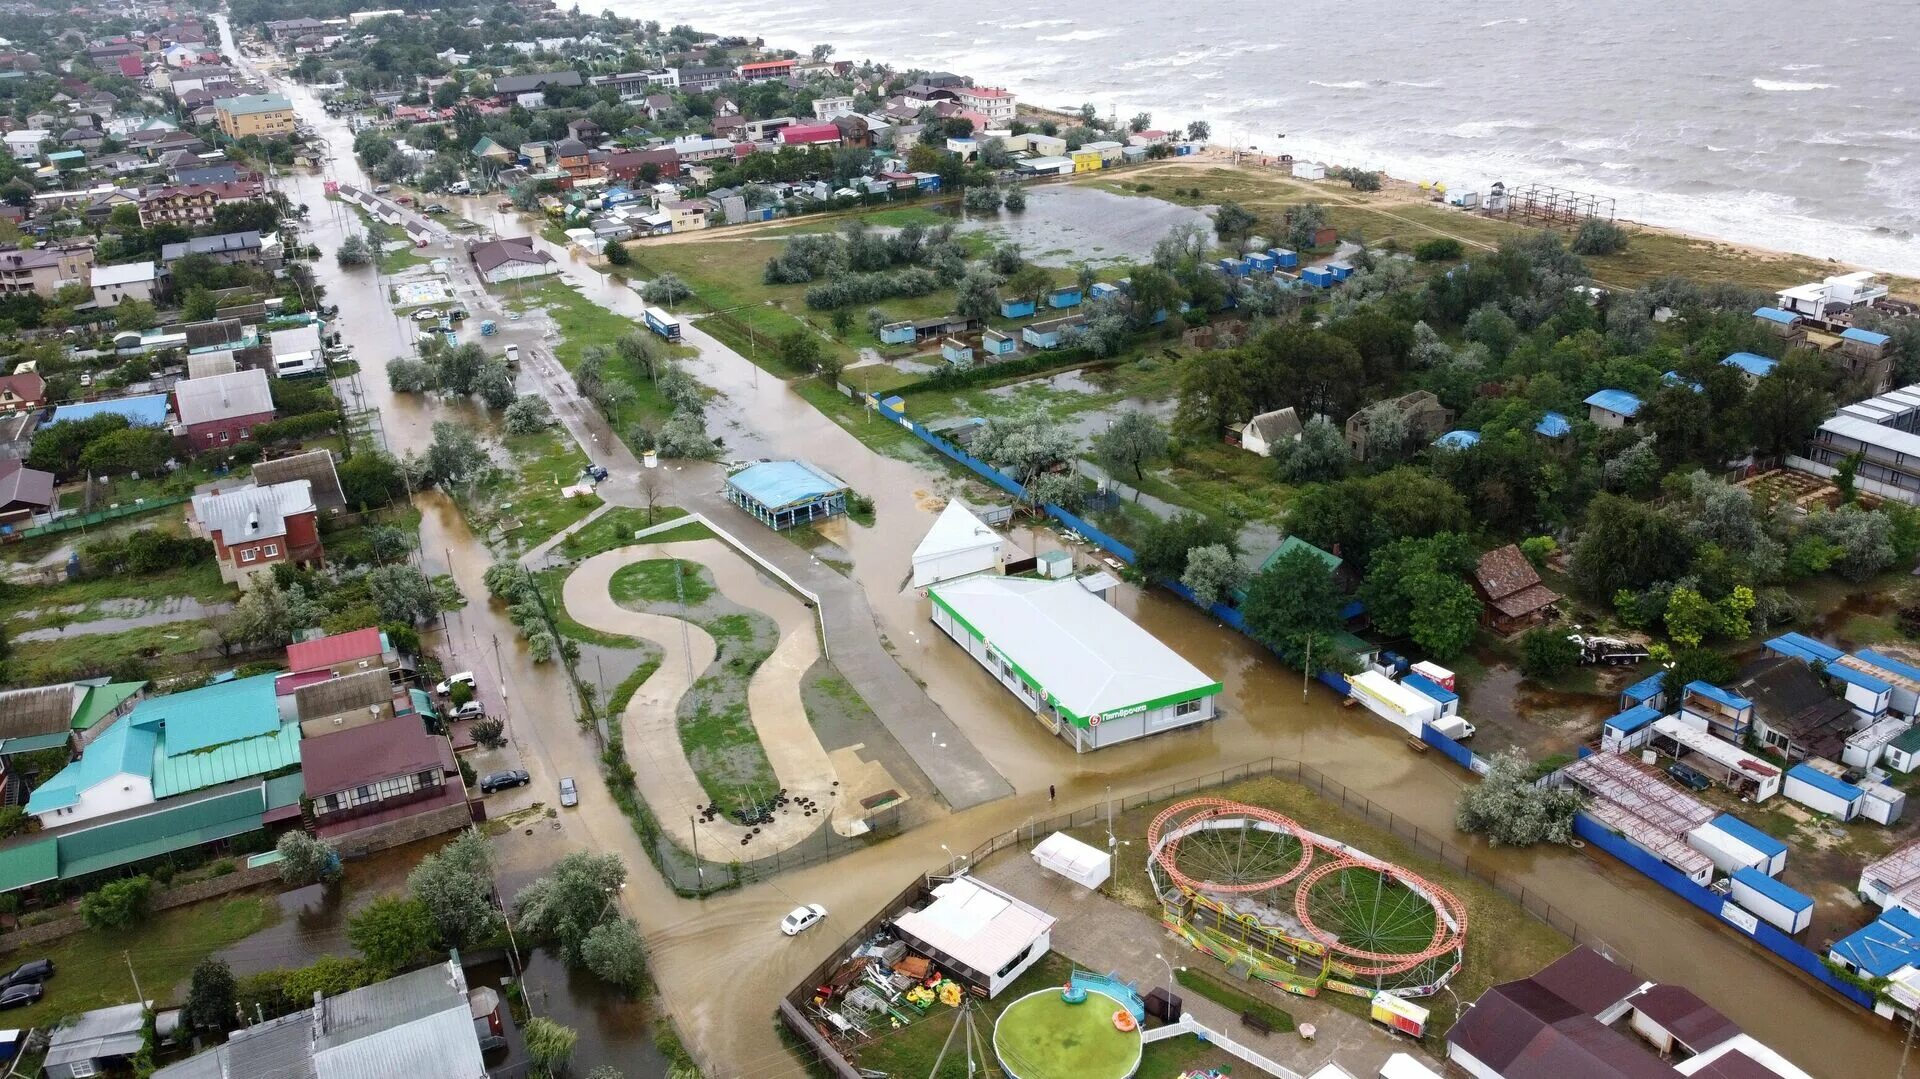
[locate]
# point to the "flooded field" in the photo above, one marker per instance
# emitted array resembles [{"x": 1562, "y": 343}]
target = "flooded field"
[{"x": 1067, "y": 224}]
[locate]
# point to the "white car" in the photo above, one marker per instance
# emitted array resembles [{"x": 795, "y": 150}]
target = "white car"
[
  {"x": 464, "y": 678},
  {"x": 426, "y": 314},
  {"x": 469, "y": 710},
  {"x": 802, "y": 919},
  {"x": 513, "y": 353}
]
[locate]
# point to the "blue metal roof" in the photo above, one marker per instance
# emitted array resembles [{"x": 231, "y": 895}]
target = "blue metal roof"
[
  {"x": 147, "y": 411},
  {"x": 1774, "y": 314},
  {"x": 212, "y": 715},
  {"x": 1458, "y": 440},
  {"x": 1645, "y": 689},
  {"x": 1883, "y": 945},
  {"x": 784, "y": 483},
  {"x": 1634, "y": 718},
  {"x": 120, "y": 749},
  {"x": 1674, "y": 378},
  {"x": 1865, "y": 337},
  {"x": 1752, "y": 363},
  {"x": 1619, "y": 401},
  {"x": 1793, "y": 650},
  {"x": 1429, "y": 689},
  {"x": 1859, "y": 678},
  {"x": 1751, "y": 836},
  {"x": 1817, "y": 649},
  {"x": 1773, "y": 889},
  {"x": 1888, "y": 663},
  {"x": 1715, "y": 693},
  {"x": 1819, "y": 780},
  {"x": 1552, "y": 425}
]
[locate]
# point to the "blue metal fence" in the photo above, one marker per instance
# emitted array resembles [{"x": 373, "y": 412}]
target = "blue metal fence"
[{"x": 1453, "y": 750}]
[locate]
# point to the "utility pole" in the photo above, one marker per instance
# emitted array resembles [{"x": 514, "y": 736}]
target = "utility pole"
[
  {"x": 137, "y": 993},
  {"x": 500, "y": 671}
]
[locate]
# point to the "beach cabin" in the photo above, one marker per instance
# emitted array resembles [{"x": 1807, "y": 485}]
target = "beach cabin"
[
  {"x": 1783, "y": 324},
  {"x": 1823, "y": 793},
  {"x": 1317, "y": 276},
  {"x": 997, "y": 344},
  {"x": 1061, "y": 298},
  {"x": 1017, "y": 308},
  {"x": 1903, "y": 753},
  {"x": 1103, "y": 291},
  {"x": 1235, "y": 267},
  {"x": 1340, "y": 270},
  {"x": 957, "y": 352},
  {"x": 1752, "y": 365},
  {"x": 1773, "y": 902},
  {"x": 897, "y": 333},
  {"x": 1309, "y": 170},
  {"x": 1869, "y": 696},
  {"x": 1612, "y": 408},
  {"x": 1285, "y": 258},
  {"x": 1052, "y": 333}
]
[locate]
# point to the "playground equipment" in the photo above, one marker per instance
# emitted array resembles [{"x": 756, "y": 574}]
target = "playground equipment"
[{"x": 1260, "y": 892}]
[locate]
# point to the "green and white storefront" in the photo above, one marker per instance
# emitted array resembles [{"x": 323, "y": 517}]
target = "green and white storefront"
[{"x": 1082, "y": 667}]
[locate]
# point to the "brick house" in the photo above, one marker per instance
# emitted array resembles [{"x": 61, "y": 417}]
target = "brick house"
[
  {"x": 1512, "y": 594},
  {"x": 192, "y": 204},
  {"x": 624, "y": 166},
  {"x": 221, "y": 410},
  {"x": 256, "y": 528},
  {"x": 23, "y": 390}
]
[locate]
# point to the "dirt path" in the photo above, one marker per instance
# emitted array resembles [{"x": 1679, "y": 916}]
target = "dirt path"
[{"x": 651, "y": 719}]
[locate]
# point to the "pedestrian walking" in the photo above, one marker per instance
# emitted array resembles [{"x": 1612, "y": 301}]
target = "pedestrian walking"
[{"x": 1049, "y": 794}]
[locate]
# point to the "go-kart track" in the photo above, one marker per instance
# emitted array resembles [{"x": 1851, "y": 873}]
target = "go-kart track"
[{"x": 1249, "y": 885}]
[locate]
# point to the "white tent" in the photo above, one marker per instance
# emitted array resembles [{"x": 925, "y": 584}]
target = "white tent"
[
  {"x": 959, "y": 544},
  {"x": 1082, "y": 863}
]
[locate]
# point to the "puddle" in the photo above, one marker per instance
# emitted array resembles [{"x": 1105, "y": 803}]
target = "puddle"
[{"x": 1066, "y": 224}]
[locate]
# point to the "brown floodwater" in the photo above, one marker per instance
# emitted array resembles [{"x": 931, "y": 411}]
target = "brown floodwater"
[{"x": 721, "y": 963}]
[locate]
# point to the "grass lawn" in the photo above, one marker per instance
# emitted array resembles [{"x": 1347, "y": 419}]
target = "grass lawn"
[
  {"x": 91, "y": 972},
  {"x": 878, "y": 435},
  {"x": 200, "y": 581},
  {"x": 1504, "y": 942},
  {"x": 100, "y": 651},
  {"x": 912, "y": 1049},
  {"x": 382, "y": 233},
  {"x": 525, "y": 500},
  {"x": 716, "y": 725},
  {"x": 551, "y": 583},
  {"x": 582, "y": 323},
  {"x": 615, "y": 528},
  {"x": 660, "y": 580},
  {"x": 1228, "y": 997},
  {"x": 1042, "y": 1035}
]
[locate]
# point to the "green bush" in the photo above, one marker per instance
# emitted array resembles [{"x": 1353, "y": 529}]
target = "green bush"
[
  {"x": 1438, "y": 249},
  {"x": 118, "y": 904},
  {"x": 1228, "y": 997}
]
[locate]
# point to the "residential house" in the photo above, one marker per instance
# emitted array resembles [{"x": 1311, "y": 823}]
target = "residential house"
[
  {"x": 1793, "y": 713},
  {"x": 1269, "y": 429},
  {"x": 223, "y": 409},
  {"x": 314, "y": 466},
  {"x": 192, "y": 204},
  {"x": 82, "y": 138},
  {"x": 1511, "y": 594},
  {"x": 730, "y": 126},
  {"x": 571, "y": 156},
  {"x": 228, "y": 248},
  {"x": 857, "y": 131},
  {"x": 1421, "y": 413},
  {"x": 255, "y": 528},
  {"x": 832, "y": 107},
  {"x": 765, "y": 70},
  {"x": 328, "y": 705},
  {"x": 22, "y": 390},
  {"x": 1836, "y": 296},
  {"x": 342, "y": 654},
  {"x": 628, "y": 166},
  {"x": 1866, "y": 357},
  {"x": 1586, "y": 1017},
  {"x": 419, "y": 1025},
  {"x": 127, "y": 281},
  {"x": 34, "y": 720},
  {"x": 1612, "y": 408},
  {"x": 24, "y": 493},
  {"x": 509, "y": 88},
  {"x": 1885, "y": 432},
  {"x": 687, "y": 216},
  {"x": 382, "y": 775},
  {"x": 99, "y": 1042},
  {"x": 261, "y": 115},
  {"x": 991, "y": 102},
  {"x": 488, "y": 150},
  {"x": 24, "y": 144},
  {"x": 512, "y": 259},
  {"x": 44, "y": 271},
  {"x": 698, "y": 79}
]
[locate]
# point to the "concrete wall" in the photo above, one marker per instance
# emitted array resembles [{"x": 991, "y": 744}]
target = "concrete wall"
[
  {"x": 235, "y": 881},
  {"x": 405, "y": 830}
]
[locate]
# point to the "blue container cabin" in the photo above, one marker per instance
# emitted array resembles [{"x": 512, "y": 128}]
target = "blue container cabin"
[
  {"x": 995, "y": 343},
  {"x": 1234, "y": 267},
  {"x": 1049, "y": 334},
  {"x": 1285, "y": 258},
  {"x": 898, "y": 333},
  {"x": 1103, "y": 291},
  {"x": 1341, "y": 271},
  {"x": 1262, "y": 263},
  {"x": 1318, "y": 276},
  {"x": 1016, "y": 308},
  {"x": 1064, "y": 297},
  {"x": 957, "y": 352}
]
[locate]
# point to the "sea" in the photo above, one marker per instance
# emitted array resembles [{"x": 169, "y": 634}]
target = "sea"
[{"x": 1784, "y": 124}]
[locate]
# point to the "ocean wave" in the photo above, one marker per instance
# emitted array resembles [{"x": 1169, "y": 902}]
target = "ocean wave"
[
  {"x": 1433, "y": 85},
  {"x": 1183, "y": 58},
  {"x": 1482, "y": 129},
  {"x": 1351, "y": 84},
  {"x": 1078, "y": 35},
  {"x": 1774, "y": 86},
  {"x": 1033, "y": 25},
  {"x": 1503, "y": 22},
  {"x": 1801, "y": 67}
]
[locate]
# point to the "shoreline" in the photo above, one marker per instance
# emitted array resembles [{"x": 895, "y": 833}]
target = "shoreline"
[{"x": 1905, "y": 281}]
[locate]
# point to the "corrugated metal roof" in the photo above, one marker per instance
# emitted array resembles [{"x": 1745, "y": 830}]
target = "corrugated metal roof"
[
  {"x": 1865, "y": 337},
  {"x": 338, "y": 648},
  {"x": 1748, "y": 834},
  {"x": 103, "y": 1032},
  {"x": 149, "y": 410},
  {"x": 122, "y": 749},
  {"x": 197, "y": 770},
  {"x": 39, "y": 710},
  {"x": 176, "y": 826},
  {"x": 220, "y": 397},
  {"x": 1619, "y": 401},
  {"x": 1753, "y": 364},
  {"x": 1552, "y": 425},
  {"x": 102, "y": 701},
  {"x": 212, "y": 715},
  {"x": 784, "y": 483},
  {"x": 29, "y": 864}
]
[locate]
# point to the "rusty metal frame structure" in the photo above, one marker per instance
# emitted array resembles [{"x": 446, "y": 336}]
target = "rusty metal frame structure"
[{"x": 1551, "y": 205}]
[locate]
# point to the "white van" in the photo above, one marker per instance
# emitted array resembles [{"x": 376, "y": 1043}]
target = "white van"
[{"x": 513, "y": 354}]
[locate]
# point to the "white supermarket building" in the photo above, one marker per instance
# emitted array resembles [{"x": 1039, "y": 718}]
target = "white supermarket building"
[{"x": 1086, "y": 670}]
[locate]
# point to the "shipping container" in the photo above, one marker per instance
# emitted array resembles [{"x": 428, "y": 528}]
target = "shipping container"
[
  {"x": 1819, "y": 791},
  {"x": 1393, "y": 702}
]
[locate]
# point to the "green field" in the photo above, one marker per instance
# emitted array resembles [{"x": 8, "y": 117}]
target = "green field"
[
  {"x": 654, "y": 581},
  {"x": 525, "y": 501},
  {"x": 1041, "y": 1035},
  {"x": 582, "y": 323}
]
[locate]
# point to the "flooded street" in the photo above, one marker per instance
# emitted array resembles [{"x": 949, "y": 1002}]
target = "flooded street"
[{"x": 720, "y": 962}]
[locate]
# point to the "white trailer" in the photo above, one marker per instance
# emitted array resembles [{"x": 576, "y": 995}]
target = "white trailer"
[
  {"x": 1819, "y": 791},
  {"x": 1728, "y": 853},
  {"x": 1772, "y": 901},
  {"x": 1392, "y": 701}
]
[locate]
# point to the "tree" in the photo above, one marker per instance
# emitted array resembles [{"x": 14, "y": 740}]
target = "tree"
[
  {"x": 684, "y": 435},
  {"x": 1303, "y": 221},
  {"x": 549, "y": 1044},
  {"x": 456, "y": 456},
  {"x": 1023, "y": 443},
  {"x": 402, "y": 594},
  {"x": 1199, "y": 131},
  {"x": 490, "y": 733},
  {"x": 1510, "y": 811},
  {"x": 1129, "y": 442},
  {"x": 392, "y": 932},
  {"x": 135, "y": 449},
  {"x": 199, "y": 305},
  {"x": 1016, "y": 201},
  {"x": 408, "y": 375},
  {"x": 1597, "y": 237},
  {"x": 1164, "y": 546},
  {"x": 1320, "y": 453},
  {"x": 1547, "y": 651},
  {"x": 211, "y": 993},
  {"x": 800, "y": 349},
  {"x": 1415, "y": 587},
  {"x": 528, "y": 414},
  {"x": 1438, "y": 249},
  {"x": 982, "y": 199},
  {"x": 1690, "y": 617},
  {"x": 1029, "y": 283},
  {"x": 117, "y": 904},
  {"x": 617, "y": 254},
  {"x": 353, "y": 251},
  {"x": 1212, "y": 574},
  {"x": 455, "y": 884},
  {"x": 1628, "y": 545},
  {"x": 978, "y": 296},
  {"x": 305, "y": 860},
  {"x": 494, "y": 383},
  {"x": 1446, "y": 614},
  {"x": 370, "y": 477},
  {"x": 1788, "y": 406},
  {"x": 261, "y": 617},
  {"x": 1292, "y": 602},
  {"x": 1232, "y": 222},
  {"x": 614, "y": 953},
  {"x": 132, "y": 314},
  {"x": 668, "y": 288},
  {"x": 568, "y": 903}
]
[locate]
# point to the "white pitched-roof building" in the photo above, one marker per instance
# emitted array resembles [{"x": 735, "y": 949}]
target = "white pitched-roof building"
[{"x": 958, "y": 545}]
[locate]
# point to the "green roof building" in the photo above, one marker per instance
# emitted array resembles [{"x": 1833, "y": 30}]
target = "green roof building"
[{"x": 105, "y": 702}]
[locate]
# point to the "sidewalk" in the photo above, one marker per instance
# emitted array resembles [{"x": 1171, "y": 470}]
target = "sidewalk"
[{"x": 1107, "y": 936}]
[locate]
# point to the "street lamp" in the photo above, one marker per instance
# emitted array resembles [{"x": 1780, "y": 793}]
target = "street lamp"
[{"x": 1171, "y": 980}]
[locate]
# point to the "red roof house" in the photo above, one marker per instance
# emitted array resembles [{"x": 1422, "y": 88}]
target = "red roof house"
[
  {"x": 341, "y": 653},
  {"x": 810, "y": 134},
  {"x": 380, "y": 774},
  {"x": 132, "y": 67},
  {"x": 1511, "y": 590}
]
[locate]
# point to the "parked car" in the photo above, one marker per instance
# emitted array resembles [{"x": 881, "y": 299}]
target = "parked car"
[
  {"x": 33, "y": 970},
  {"x": 469, "y": 710},
  {"x": 569, "y": 793},
  {"x": 1688, "y": 776},
  {"x": 426, "y": 314},
  {"x": 328, "y": 310},
  {"x": 464, "y": 678},
  {"x": 381, "y": 189},
  {"x": 597, "y": 473},
  {"x": 457, "y": 313},
  {"x": 435, "y": 208},
  {"x": 19, "y": 996},
  {"x": 513, "y": 353},
  {"x": 802, "y": 919},
  {"x": 499, "y": 781},
  {"x": 490, "y": 1042}
]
